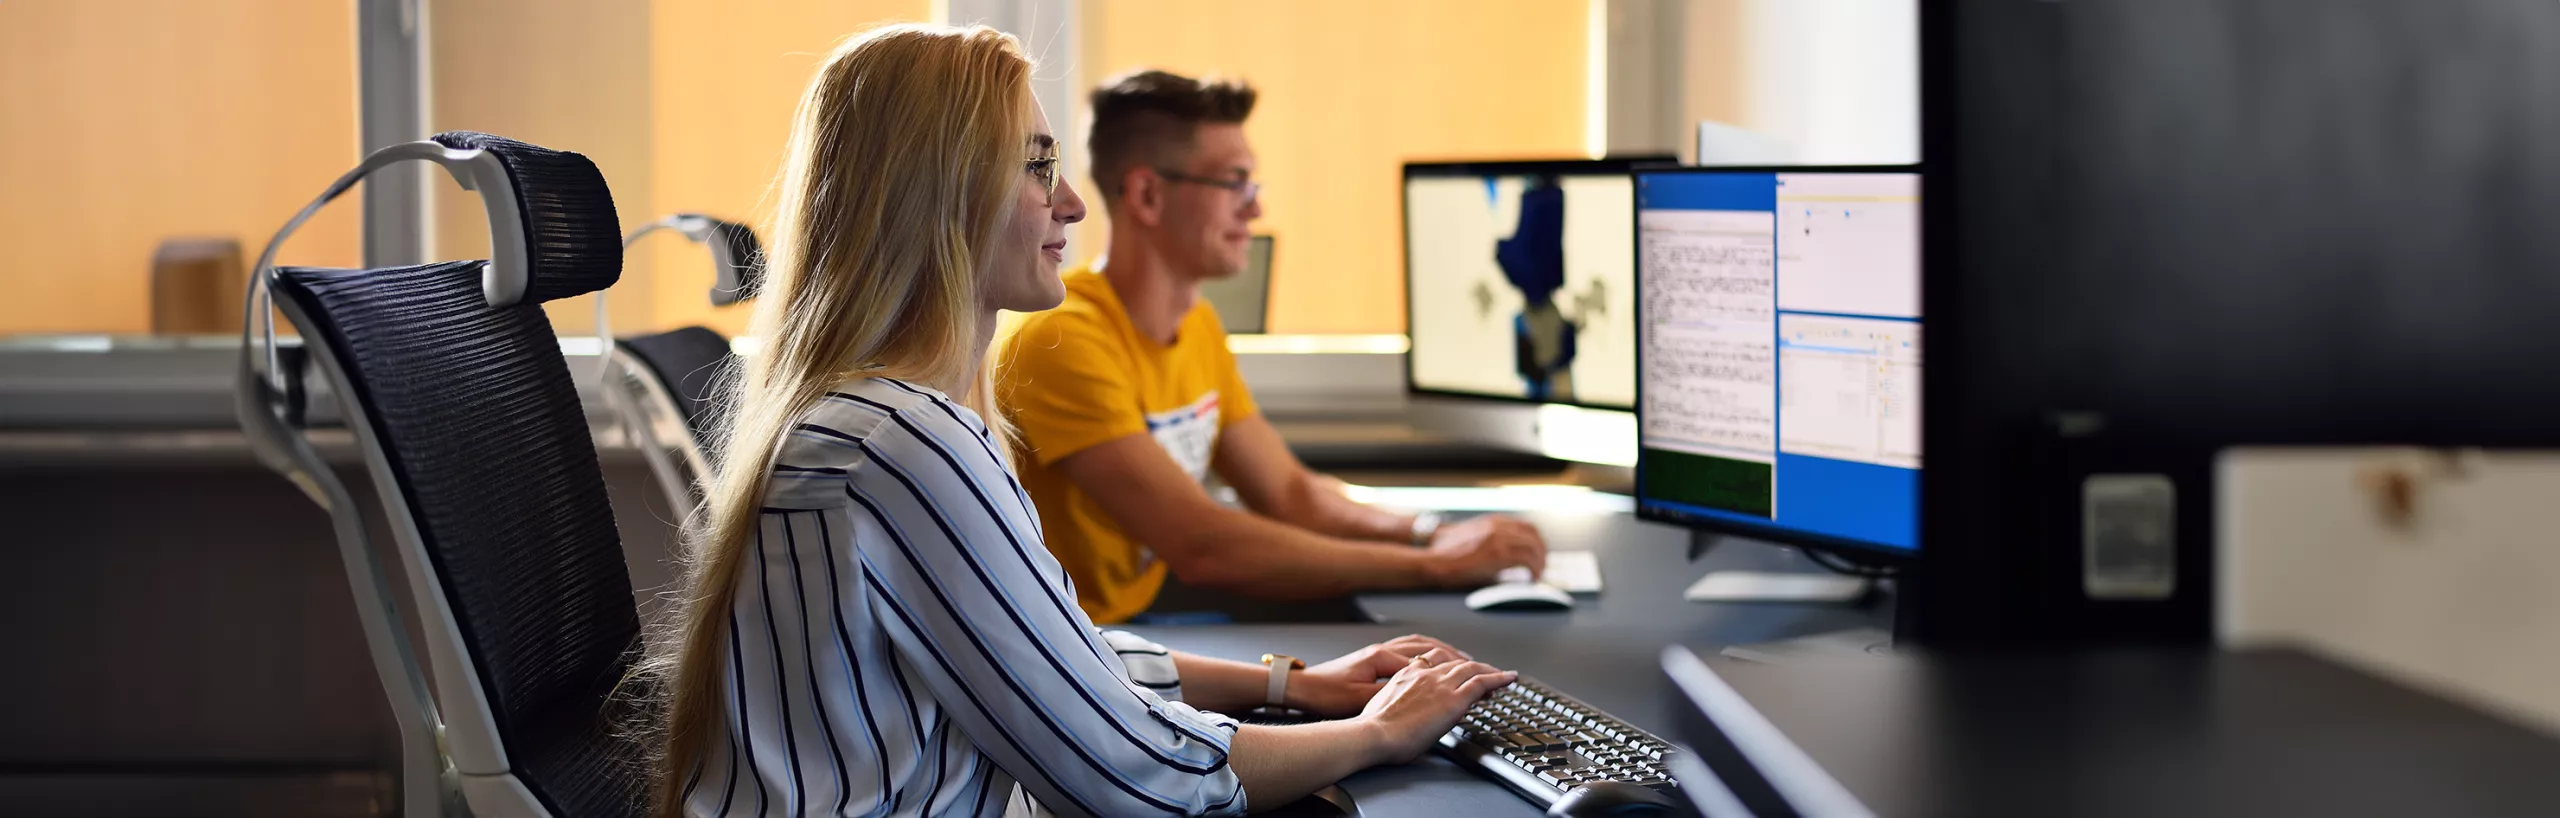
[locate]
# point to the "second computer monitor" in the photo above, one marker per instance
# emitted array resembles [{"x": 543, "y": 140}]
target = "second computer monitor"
[
  {"x": 1519, "y": 281},
  {"x": 1779, "y": 353}
]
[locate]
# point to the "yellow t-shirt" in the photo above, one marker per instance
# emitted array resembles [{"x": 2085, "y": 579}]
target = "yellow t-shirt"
[{"x": 1081, "y": 375}]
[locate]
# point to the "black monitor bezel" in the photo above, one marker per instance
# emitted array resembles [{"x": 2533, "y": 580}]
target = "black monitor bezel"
[
  {"x": 1618, "y": 166},
  {"x": 1860, "y": 550}
]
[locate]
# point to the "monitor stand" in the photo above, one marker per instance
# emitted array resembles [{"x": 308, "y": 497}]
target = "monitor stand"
[
  {"x": 1854, "y": 643},
  {"x": 1821, "y": 587},
  {"x": 1818, "y": 587},
  {"x": 1766, "y": 586}
]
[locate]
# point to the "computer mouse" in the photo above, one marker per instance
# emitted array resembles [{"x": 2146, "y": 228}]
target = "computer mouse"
[
  {"x": 1519, "y": 596},
  {"x": 1611, "y": 798}
]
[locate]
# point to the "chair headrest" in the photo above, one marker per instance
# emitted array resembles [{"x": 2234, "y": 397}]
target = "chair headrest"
[
  {"x": 740, "y": 261},
  {"x": 552, "y": 227}
]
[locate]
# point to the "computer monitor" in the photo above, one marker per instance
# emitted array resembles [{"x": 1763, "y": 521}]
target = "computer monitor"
[
  {"x": 1243, "y": 300},
  {"x": 1778, "y": 360},
  {"x": 1519, "y": 281},
  {"x": 2158, "y": 254}
]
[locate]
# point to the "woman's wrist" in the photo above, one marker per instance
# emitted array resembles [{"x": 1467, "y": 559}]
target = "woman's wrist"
[
  {"x": 1301, "y": 692},
  {"x": 1376, "y": 741},
  {"x": 1312, "y": 693}
]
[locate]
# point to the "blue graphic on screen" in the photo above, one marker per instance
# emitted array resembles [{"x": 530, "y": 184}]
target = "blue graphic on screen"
[
  {"x": 1520, "y": 285},
  {"x": 1779, "y": 382},
  {"x": 1532, "y": 262}
]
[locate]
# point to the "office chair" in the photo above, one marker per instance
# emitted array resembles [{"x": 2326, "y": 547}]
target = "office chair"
[
  {"x": 468, "y": 422},
  {"x": 674, "y": 377}
]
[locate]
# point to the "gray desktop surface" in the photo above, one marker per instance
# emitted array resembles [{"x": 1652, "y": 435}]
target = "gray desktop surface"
[
  {"x": 2156, "y": 732},
  {"x": 2146, "y": 732},
  {"x": 1643, "y": 567},
  {"x": 1606, "y": 651}
]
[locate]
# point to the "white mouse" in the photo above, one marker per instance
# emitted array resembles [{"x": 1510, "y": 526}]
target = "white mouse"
[{"x": 1519, "y": 596}]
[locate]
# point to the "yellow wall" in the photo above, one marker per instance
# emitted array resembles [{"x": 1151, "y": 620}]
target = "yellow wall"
[
  {"x": 727, "y": 77},
  {"x": 1716, "y": 65},
  {"x": 565, "y": 74},
  {"x": 1351, "y": 89},
  {"x": 684, "y": 107},
  {"x": 137, "y": 121},
  {"x": 161, "y": 118},
  {"x": 128, "y": 122}
]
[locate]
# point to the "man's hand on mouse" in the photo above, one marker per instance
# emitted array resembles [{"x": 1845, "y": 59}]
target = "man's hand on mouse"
[
  {"x": 1473, "y": 552},
  {"x": 1343, "y": 687}
]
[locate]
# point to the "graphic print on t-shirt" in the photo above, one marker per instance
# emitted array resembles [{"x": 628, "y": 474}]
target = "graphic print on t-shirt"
[{"x": 1189, "y": 434}]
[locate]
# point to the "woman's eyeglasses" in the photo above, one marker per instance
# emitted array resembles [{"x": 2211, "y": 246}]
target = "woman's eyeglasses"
[{"x": 1046, "y": 170}]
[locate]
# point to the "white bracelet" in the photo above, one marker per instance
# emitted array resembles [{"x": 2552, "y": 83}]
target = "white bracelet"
[{"x": 1278, "y": 692}]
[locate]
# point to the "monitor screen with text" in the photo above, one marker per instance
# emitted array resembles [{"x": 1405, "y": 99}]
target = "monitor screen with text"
[{"x": 1778, "y": 374}]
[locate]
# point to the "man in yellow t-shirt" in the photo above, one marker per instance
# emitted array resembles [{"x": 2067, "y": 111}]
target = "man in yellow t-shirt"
[{"x": 1127, "y": 399}]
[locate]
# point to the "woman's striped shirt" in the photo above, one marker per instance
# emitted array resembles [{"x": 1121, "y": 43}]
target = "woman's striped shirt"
[{"x": 902, "y": 643}]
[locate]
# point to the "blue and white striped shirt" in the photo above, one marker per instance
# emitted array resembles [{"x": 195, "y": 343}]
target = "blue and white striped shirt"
[{"x": 902, "y": 643}]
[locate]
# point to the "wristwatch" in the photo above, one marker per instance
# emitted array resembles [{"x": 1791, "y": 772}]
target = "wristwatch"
[
  {"x": 1280, "y": 665},
  {"x": 1425, "y": 524}
]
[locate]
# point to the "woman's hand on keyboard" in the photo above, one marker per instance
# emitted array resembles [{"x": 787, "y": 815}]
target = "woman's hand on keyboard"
[
  {"x": 1342, "y": 687},
  {"x": 1422, "y": 701}
]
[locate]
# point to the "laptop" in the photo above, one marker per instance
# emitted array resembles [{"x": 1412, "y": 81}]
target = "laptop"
[{"x": 1244, "y": 300}]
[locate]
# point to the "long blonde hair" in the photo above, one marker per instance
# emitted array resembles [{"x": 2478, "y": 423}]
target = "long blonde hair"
[{"x": 905, "y": 160}]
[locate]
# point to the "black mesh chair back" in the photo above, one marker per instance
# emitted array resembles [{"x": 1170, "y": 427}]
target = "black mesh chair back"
[
  {"x": 688, "y": 363},
  {"x": 471, "y": 425},
  {"x": 675, "y": 377}
]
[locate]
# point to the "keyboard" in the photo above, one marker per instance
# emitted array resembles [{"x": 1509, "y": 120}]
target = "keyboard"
[
  {"x": 1542, "y": 744},
  {"x": 1573, "y": 572}
]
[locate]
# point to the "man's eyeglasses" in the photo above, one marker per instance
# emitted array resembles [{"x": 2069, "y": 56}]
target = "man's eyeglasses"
[
  {"x": 1046, "y": 170},
  {"x": 1247, "y": 191}
]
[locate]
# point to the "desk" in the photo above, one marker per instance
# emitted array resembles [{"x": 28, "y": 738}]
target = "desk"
[
  {"x": 1643, "y": 568},
  {"x": 2119, "y": 733},
  {"x": 1605, "y": 651},
  {"x": 2146, "y": 732}
]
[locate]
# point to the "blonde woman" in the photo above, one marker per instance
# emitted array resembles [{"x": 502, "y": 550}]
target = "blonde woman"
[{"x": 871, "y": 623}]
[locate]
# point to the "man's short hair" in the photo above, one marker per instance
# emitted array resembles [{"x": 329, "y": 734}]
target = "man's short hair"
[{"x": 1153, "y": 118}]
